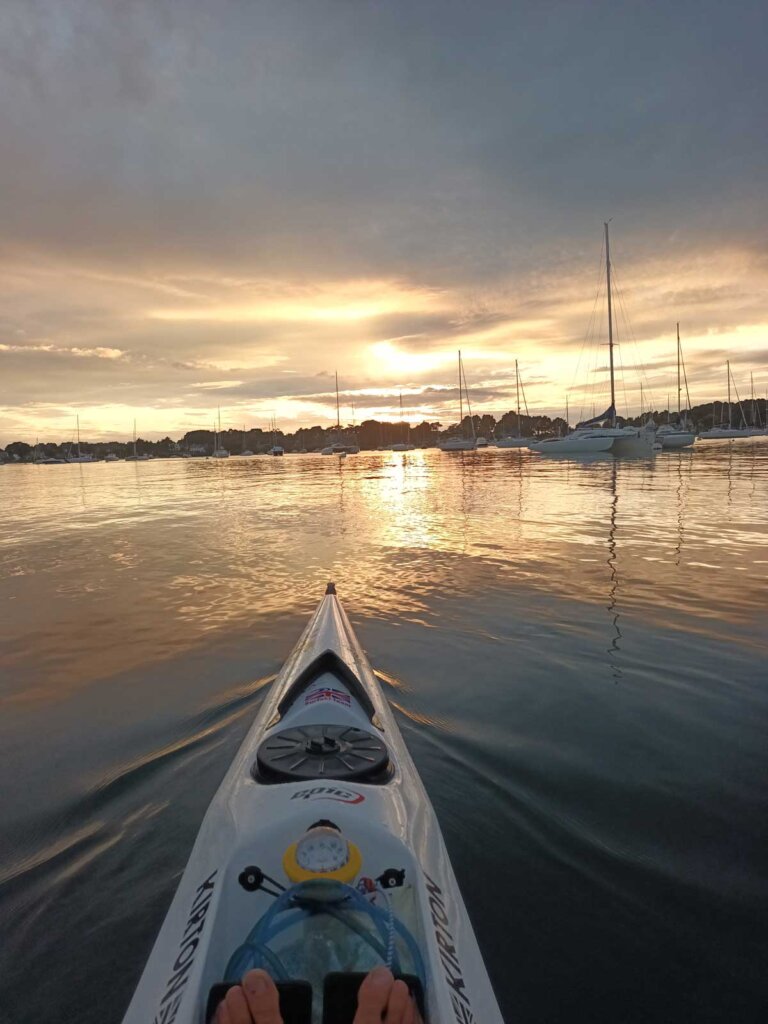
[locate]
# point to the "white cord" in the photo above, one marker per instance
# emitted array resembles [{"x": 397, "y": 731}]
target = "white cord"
[{"x": 390, "y": 926}]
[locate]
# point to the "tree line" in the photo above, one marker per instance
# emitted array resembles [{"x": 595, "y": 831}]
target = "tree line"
[{"x": 371, "y": 434}]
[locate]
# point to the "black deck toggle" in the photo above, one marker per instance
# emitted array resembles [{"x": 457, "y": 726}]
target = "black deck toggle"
[{"x": 323, "y": 745}]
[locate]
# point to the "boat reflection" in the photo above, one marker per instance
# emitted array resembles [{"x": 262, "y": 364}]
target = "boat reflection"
[
  {"x": 613, "y": 589},
  {"x": 177, "y": 554}
]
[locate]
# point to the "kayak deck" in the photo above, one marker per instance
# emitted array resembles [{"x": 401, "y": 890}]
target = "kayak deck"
[{"x": 319, "y": 858}]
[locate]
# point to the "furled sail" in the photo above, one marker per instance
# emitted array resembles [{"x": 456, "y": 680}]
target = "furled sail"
[{"x": 609, "y": 414}]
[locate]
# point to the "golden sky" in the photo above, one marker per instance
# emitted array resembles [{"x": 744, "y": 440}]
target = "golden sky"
[{"x": 220, "y": 211}]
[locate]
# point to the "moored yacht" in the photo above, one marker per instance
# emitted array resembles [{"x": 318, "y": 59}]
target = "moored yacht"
[
  {"x": 673, "y": 436},
  {"x": 601, "y": 434},
  {"x": 78, "y": 456},
  {"x": 403, "y": 446},
  {"x": 219, "y": 451},
  {"x": 276, "y": 449},
  {"x": 338, "y": 447},
  {"x": 516, "y": 440},
  {"x": 458, "y": 442},
  {"x": 726, "y": 431},
  {"x": 591, "y": 436}
]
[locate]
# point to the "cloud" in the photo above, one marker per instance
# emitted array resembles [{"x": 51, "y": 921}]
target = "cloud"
[
  {"x": 251, "y": 195},
  {"x": 99, "y": 352}
]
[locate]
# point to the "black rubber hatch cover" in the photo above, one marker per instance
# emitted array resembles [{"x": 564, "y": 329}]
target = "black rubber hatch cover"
[{"x": 323, "y": 752}]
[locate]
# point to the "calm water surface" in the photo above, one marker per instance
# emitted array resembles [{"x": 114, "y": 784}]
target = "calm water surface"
[{"x": 577, "y": 653}]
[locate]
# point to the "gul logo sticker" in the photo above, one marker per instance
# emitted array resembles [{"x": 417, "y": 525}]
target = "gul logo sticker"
[
  {"x": 454, "y": 977},
  {"x": 327, "y": 693},
  {"x": 182, "y": 965},
  {"x": 343, "y": 796}
]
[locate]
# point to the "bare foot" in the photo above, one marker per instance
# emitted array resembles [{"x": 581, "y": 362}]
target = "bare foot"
[
  {"x": 381, "y": 1000},
  {"x": 255, "y": 1001}
]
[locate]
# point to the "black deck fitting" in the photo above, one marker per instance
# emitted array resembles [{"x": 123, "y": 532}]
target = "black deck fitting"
[{"x": 331, "y": 588}]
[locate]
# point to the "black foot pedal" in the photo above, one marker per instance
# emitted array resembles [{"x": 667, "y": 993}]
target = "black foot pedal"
[
  {"x": 295, "y": 1000},
  {"x": 340, "y": 995}
]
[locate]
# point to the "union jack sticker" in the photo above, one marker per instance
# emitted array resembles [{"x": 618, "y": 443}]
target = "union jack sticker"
[{"x": 337, "y": 696}]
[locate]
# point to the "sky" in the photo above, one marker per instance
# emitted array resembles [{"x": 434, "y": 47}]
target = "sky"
[{"x": 218, "y": 205}]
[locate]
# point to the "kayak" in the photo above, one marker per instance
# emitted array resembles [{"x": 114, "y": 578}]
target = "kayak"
[{"x": 319, "y": 858}]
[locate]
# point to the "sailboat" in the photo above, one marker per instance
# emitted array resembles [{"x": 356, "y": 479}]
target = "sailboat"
[
  {"x": 403, "y": 446},
  {"x": 135, "y": 457},
  {"x": 593, "y": 435},
  {"x": 337, "y": 448},
  {"x": 516, "y": 440},
  {"x": 243, "y": 450},
  {"x": 79, "y": 457},
  {"x": 276, "y": 448},
  {"x": 460, "y": 443},
  {"x": 675, "y": 435},
  {"x": 219, "y": 452},
  {"x": 757, "y": 429},
  {"x": 725, "y": 431}
]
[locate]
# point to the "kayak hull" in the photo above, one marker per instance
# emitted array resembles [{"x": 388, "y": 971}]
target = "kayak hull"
[{"x": 254, "y": 822}]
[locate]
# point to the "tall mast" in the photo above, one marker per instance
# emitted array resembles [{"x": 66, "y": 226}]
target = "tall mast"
[
  {"x": 517, "y": 385},
  {"x": 134, "y": 438},
  {"x": 567, "y": 423},
  {"x": 469, "y": 407},
  {"x": 338, "y": 421},
  {"x": 728, "y": 374},
  {"x": 610, "y": 323},
  {"x": 461, "y": 407},
  {"x": 679, "y": 410},
  {"x": 642, "y": 403},
  {"x": 78, "y": 435}
]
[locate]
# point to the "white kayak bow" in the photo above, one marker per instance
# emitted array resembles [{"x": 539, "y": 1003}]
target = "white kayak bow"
[{"x": 319, "y": 857}]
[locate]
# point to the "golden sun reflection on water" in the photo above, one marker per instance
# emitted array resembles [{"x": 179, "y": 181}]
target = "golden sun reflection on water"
[{"x": 105, "y": 568}]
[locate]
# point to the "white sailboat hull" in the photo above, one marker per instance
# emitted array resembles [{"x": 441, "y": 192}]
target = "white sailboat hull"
[
  {"x": 572, "y": 445},
  {"x": 675, "y": 439},
  {"x": 457, "y": 444},
  {"x": 514, "y": 442},
  {"x": 722, "y": 433},
  {"x": 253, "y": 823},
  {"x": 638, "y": 443},
  {"x": 620, "y": 441}
]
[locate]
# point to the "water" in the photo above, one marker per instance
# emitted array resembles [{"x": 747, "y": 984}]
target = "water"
[{"x": 577, "y": 652}]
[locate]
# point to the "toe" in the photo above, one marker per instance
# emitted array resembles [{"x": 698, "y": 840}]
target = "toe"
[
  {"x": 262, "y": 998},
  {"x": 373, "y": 996},
  {"x": 411, "y": 1015},
  {"x": 397, "y": 1006},
  {"x": 237, "y": 1006}
]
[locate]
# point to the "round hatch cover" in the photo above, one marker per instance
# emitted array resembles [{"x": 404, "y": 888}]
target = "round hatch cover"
[{"x": 322, "y": 752}]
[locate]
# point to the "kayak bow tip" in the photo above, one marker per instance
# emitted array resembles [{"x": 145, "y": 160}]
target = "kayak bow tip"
[{"x": 331, "y": 588}]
